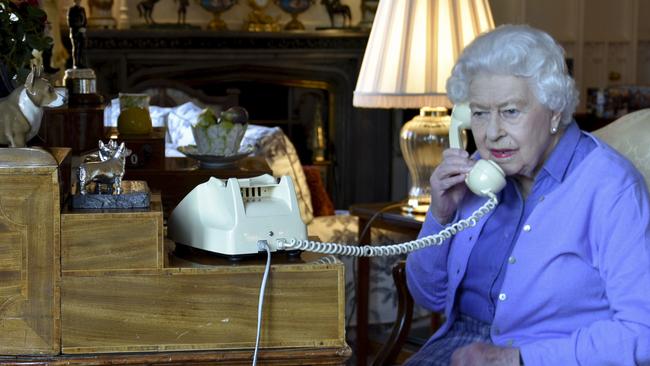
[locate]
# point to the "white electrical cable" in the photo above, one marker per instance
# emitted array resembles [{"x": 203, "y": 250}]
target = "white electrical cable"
[
  {"x": 262, "y": 245},
  {"x": 394, "y": 249}
]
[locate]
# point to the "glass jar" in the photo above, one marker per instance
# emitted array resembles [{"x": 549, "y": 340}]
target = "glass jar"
[{"x": 134, "y": 116}]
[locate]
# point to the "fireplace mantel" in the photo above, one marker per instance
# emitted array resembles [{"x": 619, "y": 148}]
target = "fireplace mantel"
[
  {"x": 201, "y": 39},
  {"x": 125, "y": 60}
]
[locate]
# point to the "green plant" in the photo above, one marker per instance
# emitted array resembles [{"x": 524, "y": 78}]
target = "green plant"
[{"x": 22, "y": 30}]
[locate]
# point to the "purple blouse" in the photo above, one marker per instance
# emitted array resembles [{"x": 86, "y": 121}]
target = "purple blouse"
[{"x": 576, "y": 287}]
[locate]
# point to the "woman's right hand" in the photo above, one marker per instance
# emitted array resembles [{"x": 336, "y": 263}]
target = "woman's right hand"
[{"x": 448, "y": 184}]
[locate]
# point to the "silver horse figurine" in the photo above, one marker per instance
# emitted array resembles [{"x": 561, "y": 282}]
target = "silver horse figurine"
[{"x": 109, "y": 171}]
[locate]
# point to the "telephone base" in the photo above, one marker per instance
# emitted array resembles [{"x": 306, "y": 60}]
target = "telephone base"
[{"x": 206, "y": 257}]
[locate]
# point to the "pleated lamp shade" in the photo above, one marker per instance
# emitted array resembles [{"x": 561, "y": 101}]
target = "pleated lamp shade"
[{"x": 412, "y": 48}]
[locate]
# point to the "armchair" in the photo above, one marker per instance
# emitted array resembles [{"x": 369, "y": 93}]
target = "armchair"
[{"x": 625, "y": 134}]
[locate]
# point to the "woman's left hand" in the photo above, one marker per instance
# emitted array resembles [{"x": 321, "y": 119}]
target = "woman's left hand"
[{"x": 486, "y": 355}]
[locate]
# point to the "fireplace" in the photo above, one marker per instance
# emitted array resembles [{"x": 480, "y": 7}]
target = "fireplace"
[{"x": 286, "y": 79}]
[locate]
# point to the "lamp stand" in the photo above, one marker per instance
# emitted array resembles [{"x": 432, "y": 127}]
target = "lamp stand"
[{"x": 422, "y": 141}]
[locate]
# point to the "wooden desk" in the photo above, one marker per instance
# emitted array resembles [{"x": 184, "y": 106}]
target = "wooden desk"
[
  {"x": 146, "y": 295},
  {"x": 181, "y": 175},
  {"x": 288, "y": 356},
  {"x": 103, "y": 287},
  {"x": 394, "y": 220}
]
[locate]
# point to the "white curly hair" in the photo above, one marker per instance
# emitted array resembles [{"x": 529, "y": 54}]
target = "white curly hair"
[{"x": 521, "y": 51}]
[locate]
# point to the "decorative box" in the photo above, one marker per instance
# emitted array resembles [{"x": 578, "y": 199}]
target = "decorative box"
[{"x": 147, "y": 151}]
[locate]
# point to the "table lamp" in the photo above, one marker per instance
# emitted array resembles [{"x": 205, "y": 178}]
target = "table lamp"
[{"x": 411, "y": 50}]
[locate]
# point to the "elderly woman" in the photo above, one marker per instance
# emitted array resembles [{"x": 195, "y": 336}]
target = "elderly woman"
[{"x": 559, "y": 272}]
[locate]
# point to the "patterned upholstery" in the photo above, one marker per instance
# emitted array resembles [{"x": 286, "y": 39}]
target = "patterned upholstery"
[
  {"x": 320, "y": 199},
  {"x": 627, "y": 136}
]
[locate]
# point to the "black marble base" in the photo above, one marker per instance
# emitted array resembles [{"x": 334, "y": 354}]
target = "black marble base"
[{"x": 135, "y": 194}]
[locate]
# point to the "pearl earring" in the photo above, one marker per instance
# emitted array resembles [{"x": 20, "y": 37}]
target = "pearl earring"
[{"x": 553, "y": 130}]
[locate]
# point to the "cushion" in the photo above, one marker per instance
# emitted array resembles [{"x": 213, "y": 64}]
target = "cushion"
[
  {"x": 320, "y": 199},
  {"x": 629, "y": 137}
]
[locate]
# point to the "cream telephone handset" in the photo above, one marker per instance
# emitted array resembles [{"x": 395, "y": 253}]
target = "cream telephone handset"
[{"x": 486, "y": 176}]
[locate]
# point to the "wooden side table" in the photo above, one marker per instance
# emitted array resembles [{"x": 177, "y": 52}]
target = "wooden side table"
[{"x": 395, "y": 220}]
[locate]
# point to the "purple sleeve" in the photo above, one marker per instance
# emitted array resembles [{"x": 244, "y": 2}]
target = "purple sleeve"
[{"x": 426, "y": 270}]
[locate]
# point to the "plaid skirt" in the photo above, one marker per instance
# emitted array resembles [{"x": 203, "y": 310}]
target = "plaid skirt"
[{"x": 464, "y": 331}]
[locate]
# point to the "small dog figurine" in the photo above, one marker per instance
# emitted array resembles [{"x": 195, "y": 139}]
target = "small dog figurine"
[
  {"x": 104, "y": 152},
  {"x": 22, "y": 110},
  {"x": 109, "y": 171}
]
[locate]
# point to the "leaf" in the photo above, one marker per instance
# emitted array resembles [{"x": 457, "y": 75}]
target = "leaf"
[
  {"x": 36, "y": 13},
  {"x": 38, "y": 43},
  {"x": 21, "y": 31}
]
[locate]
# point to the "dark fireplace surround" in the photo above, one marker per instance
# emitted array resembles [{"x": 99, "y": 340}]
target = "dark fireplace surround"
[{"x": 359, "y": 141}]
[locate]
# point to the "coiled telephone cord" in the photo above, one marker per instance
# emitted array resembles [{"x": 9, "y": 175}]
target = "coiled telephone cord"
[{"x": 395, "y": 249}]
